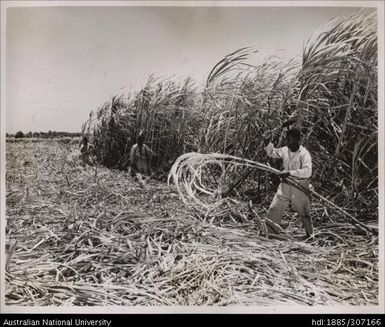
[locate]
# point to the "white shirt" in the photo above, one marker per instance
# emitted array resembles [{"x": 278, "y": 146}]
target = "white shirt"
[
  {"x": 298, "y": 163},
  {"x": 135, "y": 153}
]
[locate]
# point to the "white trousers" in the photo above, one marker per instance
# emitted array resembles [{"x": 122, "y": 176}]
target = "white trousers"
[{"x": 289, "y": 195}]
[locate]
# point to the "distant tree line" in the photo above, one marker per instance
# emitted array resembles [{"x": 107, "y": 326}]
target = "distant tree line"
[{"x": 48, "y": 134}]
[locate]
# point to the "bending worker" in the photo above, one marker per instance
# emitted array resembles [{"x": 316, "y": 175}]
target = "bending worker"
[
  {"x": 85, "y": 149},
  {"x": 140, "y": 156},
  {"x": 297, "y": 163}
]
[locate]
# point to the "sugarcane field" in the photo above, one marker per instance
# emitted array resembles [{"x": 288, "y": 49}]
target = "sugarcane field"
[{"x": 258, "y": 188}]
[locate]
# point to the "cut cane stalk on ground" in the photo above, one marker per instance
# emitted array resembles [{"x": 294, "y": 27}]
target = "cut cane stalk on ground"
[{"x": 124, "y": 249}]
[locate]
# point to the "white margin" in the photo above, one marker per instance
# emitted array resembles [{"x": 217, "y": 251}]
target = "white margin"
[
  {"x": 336, "y": 309},
  {"x": 2, "y": 154}
]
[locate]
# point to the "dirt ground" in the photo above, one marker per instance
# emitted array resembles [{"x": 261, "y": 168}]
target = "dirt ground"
[{"x": 80, "y": 235}]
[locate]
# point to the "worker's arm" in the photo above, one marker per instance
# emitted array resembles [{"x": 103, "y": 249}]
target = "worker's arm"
[
  {"x": 132, "y": 154},
  {"x": 149, "y": 152},
  {"x": 273, "y": 152},
  {"x": 91, "y": 148},
  {"x": 306, "y": 167}
]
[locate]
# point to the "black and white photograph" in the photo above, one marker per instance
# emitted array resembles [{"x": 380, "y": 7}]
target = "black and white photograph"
[{"x": 192, "y": 156}]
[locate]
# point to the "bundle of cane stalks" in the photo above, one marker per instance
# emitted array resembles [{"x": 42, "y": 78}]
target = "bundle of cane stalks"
[{"x": 202, "y": 179}]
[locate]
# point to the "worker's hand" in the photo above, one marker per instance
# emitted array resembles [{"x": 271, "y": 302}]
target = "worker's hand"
[
  {"x": 269, "y": 148},
  {"x": 284, "y": 174}
]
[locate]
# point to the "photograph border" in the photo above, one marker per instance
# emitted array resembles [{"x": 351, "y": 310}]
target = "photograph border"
[{"x": 282, "y": 309}]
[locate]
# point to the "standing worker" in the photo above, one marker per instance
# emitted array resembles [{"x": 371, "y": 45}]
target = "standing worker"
[
  {"x": 297, "y": 163},
  {"x": 140, "y": 156}
]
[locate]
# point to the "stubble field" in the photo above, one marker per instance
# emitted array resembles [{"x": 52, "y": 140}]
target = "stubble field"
[{"x": 89, "y": 236}]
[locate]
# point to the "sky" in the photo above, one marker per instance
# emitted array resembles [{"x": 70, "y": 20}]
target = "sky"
[{"x": 62, "y": 62}]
